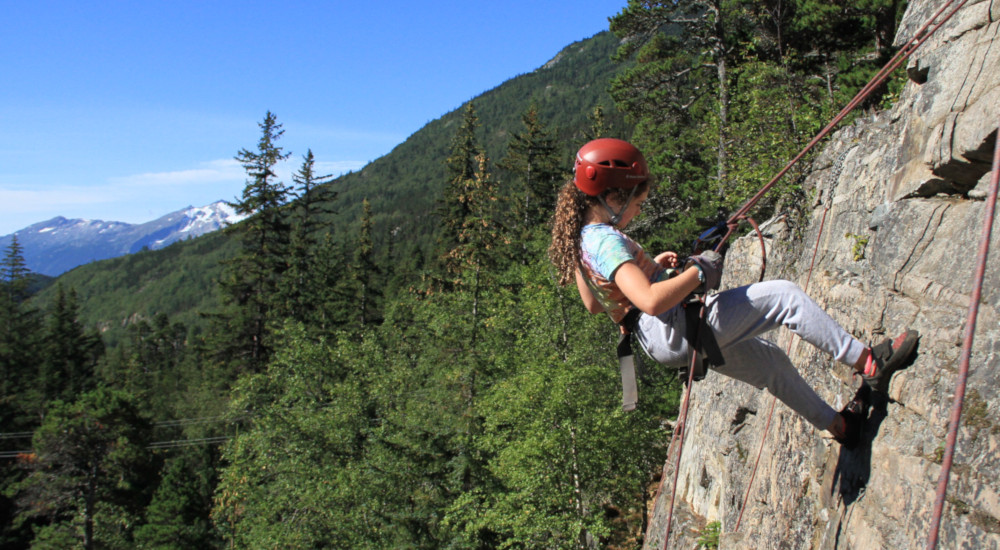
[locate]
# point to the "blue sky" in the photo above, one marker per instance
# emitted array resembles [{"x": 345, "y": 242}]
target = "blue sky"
[{"x": 127, "y": 111}]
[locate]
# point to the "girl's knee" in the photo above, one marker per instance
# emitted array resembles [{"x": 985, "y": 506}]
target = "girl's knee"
[{"x": 785, "y": 286}]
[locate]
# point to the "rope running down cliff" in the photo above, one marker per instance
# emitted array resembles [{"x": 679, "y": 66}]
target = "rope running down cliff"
[
  {"x": 733, "y": 222},
  {"x": 963, "y": 369}
]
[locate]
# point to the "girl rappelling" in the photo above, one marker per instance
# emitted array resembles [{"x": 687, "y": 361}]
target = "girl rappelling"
[{"x": 650, "y": 297}]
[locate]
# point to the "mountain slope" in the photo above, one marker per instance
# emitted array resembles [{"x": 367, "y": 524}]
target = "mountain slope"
[
  {"x": 402, "y": 186},
  {"x": 58, "y": 245}
]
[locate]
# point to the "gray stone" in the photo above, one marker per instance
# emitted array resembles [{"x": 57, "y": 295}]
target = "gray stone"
[
  {"x": 905, "y": 190},
  {"x": 982, "y": 189}
]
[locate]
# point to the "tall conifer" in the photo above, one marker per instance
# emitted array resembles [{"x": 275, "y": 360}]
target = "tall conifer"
[
  {"x": 251, "y": 281},
  {"x": 69, "y": 352},
  {"x": 532, "y": 161},
  {"x": 366, "y": 272},
  {"x": 454, "y": 206},
  {"x": 19, "y": 325},
  {"x": 299, "y": 289}
]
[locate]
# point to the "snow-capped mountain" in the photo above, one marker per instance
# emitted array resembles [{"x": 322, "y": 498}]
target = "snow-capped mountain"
[{"x": 55, "y": 246}]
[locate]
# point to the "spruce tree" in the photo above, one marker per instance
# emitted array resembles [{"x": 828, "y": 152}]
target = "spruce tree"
[
  {"x": 19, "y": 328},
  {"x": 454, "y": 206},
  {"x": 310, "y": 217},
  {"x": 14, "y": 273},
  {"x": 533, "y": 163},
  {"x": 69, "y": 353},
  {"x": 251, "y": 280}
]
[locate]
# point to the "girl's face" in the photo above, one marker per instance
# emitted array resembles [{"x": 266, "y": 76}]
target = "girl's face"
[{"x": 633, "y": 209}]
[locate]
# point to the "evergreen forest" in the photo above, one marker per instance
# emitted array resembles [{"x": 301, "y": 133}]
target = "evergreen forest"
[{"x": 384, "y": 359}]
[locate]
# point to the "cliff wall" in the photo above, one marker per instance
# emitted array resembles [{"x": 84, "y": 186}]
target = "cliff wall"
[{"x": 902, "y": 193}]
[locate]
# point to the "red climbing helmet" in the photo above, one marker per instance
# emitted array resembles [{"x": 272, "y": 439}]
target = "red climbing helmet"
[{"x": 609, "y": 163}]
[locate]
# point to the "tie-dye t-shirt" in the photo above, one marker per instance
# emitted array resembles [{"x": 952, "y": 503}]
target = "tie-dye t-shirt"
[{"x": 605, "y": 249}]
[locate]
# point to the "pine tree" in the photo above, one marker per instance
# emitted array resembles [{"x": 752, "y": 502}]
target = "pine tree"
[
  {"x": 69, "y": 353},
  {"x": 454, "y": 206},
  {"x": 673, "y": 95},
  {"x": 683, "y": 50},
  {"x": 532, "y": 161},
  {"x": 598, "y": 124},
  {"x": 252, "y": 278},
  {"x": 311, "y": 210},
  {"x": 89, "y": 475},
  {"x": 14, "y": 273},
  {"x": 366, "y": 272},
  {"x": 19, "y": 327}
]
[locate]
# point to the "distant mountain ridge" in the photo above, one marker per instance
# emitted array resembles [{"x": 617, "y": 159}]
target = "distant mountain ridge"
[{"x": 58, "y": 245}]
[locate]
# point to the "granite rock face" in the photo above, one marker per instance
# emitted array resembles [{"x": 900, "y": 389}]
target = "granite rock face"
[{"x": 900, "y": 230}]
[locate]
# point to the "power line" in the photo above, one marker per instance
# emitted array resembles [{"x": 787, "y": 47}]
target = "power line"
[{"x": 188, "y": 442}]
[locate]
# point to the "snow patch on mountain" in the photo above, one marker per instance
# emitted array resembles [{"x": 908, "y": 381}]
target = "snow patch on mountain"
[{"x": 55, "y": 246}]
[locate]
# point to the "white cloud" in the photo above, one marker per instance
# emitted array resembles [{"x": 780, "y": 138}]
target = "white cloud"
[
  {"x": 41, "y": 200},
  {"x": 215, "y": 171},
  {"x": 229, "y": 170}
]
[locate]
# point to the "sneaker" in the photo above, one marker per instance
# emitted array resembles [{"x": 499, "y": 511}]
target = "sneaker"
[
  {"x": 854, "y": 415},
  {"x": 890, "y": 356}
]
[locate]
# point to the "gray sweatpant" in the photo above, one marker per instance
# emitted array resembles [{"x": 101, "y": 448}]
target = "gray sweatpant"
[{"x": 737, "y": 317}]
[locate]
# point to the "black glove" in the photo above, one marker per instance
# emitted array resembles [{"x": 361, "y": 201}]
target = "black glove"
[{"x": 710, "y": 263}]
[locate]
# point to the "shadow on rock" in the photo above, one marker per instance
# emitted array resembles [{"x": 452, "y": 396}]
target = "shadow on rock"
[{"x": 854, "y": 465}]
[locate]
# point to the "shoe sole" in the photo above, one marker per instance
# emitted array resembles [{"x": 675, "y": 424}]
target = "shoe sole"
[{"x": 902, "y": 351}]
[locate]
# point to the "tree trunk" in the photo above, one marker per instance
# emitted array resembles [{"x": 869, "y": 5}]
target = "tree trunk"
[
  {"x": 584, "y": 536},
  {"x": 88, "y": 512},
  {"x": 720, "y": 64}
]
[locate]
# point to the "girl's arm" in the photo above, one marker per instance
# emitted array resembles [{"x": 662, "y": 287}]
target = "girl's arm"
[
  {"x": 654, "y": 298},
  {"x": 586, "y": 295}
]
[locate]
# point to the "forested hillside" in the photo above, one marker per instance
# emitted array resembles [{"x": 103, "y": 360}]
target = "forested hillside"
[
  {"x": 403, "y": 189},
  {"x": 384, "y": 359}
]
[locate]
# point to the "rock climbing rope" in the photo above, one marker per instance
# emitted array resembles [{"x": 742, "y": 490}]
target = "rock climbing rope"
[
  {"x": 963, "y": 368},
  {"x": 935, "y": 22}
]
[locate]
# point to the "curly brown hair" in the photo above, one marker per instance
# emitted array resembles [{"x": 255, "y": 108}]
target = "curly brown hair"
[{"x": 571, "y": 208}]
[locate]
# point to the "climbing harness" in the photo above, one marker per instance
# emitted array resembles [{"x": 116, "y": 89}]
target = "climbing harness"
[
  {"x": 703, "y": 349},
  {"x": 919, "y": 37}
]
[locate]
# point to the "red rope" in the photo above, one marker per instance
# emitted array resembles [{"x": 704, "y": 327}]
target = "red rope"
[
  {"x": 774, "y": 400},
  {"x": 680, "y": 428},
  {"x": 963, "y": 369},
  {"x": 918, "y": 39}
]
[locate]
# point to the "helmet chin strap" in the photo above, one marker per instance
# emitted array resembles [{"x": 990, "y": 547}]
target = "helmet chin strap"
[{"x": 617, "y": 216}]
